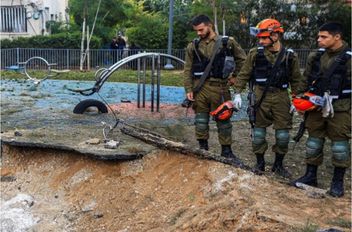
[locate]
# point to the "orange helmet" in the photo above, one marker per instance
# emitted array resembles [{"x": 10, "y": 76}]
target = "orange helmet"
[
  {"x": 266, "y": 26},
  {"x": 223, "y": 112},
  {"x": 307, "y": 102}
]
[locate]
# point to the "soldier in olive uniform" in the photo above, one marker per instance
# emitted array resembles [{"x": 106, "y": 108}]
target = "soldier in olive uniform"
[
  {"x": 334, "y": 57},
  {"x": 215, "y": 90},
  {"x": 275, "y": 104}
]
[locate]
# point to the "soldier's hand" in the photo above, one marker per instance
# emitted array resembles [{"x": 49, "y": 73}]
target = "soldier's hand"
[
  {"x": 237, "y": 101},
  {"x": 231, "y": 81},
  {"x": 190, "y": 96},
  {"x": 292, "y": 109}
]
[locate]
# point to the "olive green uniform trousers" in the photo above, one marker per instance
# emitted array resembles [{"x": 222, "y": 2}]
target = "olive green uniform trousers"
[
  {"x": 274, "y": 110},
  {"x": 212, "y": 95},
  {"x": 337, "y": 128}
]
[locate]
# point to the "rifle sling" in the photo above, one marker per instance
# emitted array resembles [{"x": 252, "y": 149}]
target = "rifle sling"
[{"x": 207, "y": 69}]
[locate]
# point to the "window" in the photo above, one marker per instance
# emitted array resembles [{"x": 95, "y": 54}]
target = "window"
[{"x": 13, "y": 19}]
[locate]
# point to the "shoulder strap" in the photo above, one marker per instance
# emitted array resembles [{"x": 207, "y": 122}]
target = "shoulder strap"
[
  {"x": 341, "y": 59},
  {"x": 196, "y": 45},
  {"x": 207, "y": 69}
]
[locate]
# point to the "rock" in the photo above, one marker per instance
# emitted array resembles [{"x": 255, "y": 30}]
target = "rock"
[
  {"x": 98, "y": 215},
  {"x": 93, "y": 141},
  {"x": 17, "y": 133},
  {"x": 329, "y": 230},
  {"x": 7, "y": 178},
  {"x": 89, "y": 207},
  {"x": 112, "y": 144},
  {"x": 312, "y": 192}
]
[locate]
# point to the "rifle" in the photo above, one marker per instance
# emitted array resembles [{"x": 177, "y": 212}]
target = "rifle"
[
  {"x": 301, "y": 130},
  {"x": 251, "y": 109}
]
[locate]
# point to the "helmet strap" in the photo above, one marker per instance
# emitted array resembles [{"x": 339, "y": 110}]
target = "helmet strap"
[{"x": 272, "y": 41}]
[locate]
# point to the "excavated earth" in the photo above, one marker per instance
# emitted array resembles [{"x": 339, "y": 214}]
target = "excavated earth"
[{"x": 57, "y": 175}]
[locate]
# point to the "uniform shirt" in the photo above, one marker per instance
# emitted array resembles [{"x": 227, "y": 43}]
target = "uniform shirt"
[
  {"x": 295, "y": 80},
  {"x": 206, "y": 48},
  {"x": 325, "y": 61}
]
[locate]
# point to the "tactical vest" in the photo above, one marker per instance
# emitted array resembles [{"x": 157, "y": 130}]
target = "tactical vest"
[
  {"x": 200, "y": 61},
  {"x": 337, "y": 84},
  {"x": 262, "y": 70}
]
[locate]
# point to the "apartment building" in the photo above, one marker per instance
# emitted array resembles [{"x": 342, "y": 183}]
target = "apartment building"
[{"x": 30, "y": 17}]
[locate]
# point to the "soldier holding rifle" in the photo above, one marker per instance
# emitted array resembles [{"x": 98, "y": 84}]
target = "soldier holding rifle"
[{"x": 271, "y": 71}]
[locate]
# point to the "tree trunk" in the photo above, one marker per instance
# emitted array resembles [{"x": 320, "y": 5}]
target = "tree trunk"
[{"x": 164, "y": 143}]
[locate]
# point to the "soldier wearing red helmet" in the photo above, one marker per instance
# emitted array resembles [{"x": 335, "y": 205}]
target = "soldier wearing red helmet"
[
  {"x": 328, "y": 73},
  {"x": 272, "y": 70}
]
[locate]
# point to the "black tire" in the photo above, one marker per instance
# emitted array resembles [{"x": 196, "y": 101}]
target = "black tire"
[{"x": 81, "y": 107}]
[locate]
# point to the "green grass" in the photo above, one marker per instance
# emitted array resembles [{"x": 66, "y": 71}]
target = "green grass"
[
  {"x": 169, "y": 78},
  {"x": 341, "y": 222},
  {"x": 308, "y": 227}
]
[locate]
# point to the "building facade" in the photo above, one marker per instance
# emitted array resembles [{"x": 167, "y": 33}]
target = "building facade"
[{"x": 30, "y": 17}]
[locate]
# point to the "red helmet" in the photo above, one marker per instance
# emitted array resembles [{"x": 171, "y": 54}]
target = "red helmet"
[
  {"x": 266, "y": 26},
  {"x": 304, "y": 103},
  {"x": 223, "y": 112}
]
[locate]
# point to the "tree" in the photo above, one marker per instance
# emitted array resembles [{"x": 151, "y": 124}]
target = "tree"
[
  {"x": 111, "y": 18},
  {"x": 150, "y": 31}
]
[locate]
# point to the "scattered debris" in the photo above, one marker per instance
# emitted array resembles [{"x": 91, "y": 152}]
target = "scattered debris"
[
  {"x": 94, "y": 141},
  {"x": 311, "y": 191},
  {"x": 112, "y": 144}
]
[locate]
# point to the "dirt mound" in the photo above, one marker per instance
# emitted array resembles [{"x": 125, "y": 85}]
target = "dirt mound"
[{"x": 163, "y": 191}]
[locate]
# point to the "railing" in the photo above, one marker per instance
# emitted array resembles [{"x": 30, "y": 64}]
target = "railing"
[{"x": 70, "y": 58}]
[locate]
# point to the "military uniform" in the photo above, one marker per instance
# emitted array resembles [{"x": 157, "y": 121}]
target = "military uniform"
[
  {"x": 275, "y": 107},
  {"x": 337, "y": 128},
  {"x": 215, "y": 89}
]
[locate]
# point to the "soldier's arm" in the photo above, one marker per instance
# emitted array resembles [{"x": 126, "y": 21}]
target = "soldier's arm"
[
  {"x": 297, "y": 82},
  {"x": 188, "y": 82},
  {"x": 245, "y": 73}
]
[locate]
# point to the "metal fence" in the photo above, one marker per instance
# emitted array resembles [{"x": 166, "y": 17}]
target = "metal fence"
[{"x": 70, "y": 58}]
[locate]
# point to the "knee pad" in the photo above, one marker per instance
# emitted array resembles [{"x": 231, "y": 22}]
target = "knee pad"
[
  {"x": 224, "y": 127},
  {"x": 340, "y": 150},
  {"x": 314, "y": 147},
  {"x": 259, "y": 135},
  {"x": 202, "y": 121},
  {"x": 282, "y": 138}
]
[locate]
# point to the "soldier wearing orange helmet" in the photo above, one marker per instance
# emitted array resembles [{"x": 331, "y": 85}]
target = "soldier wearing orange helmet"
[
  {"x": 272, "y": 70},
  {"x": 328, "y": 73}
]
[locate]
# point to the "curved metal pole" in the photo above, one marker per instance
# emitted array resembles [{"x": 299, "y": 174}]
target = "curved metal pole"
[{"x": 104, "y": 75}]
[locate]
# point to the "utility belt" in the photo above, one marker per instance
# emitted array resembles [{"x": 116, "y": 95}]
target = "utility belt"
[
  {"x": 198, "y": 75},
  {"x": 216, "y": 83},
  {"x": 271, "y": 89}
]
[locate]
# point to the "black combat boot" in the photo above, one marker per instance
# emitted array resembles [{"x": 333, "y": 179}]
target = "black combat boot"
[
  {"x": 336, "y": 188},
  {"x": 259, "y": 168},
  {"x": 226, "y": 152},
  {"x": 203, "y": 144},
  {"x": 310, "y": 178},
  {"x": 278, "y": 168}
]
